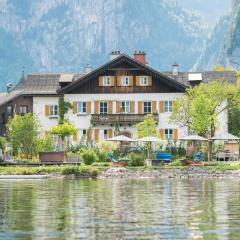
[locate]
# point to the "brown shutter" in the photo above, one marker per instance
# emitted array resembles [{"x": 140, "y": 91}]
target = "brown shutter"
[
  {"x": 174, "y": 106},
  {"x": 46, "y": 134},
  {"x": 149, "y": 80},
  {"x": 162, "y": 133},
  {"x": 74, "y": 107},
  {"x": 130, "y": 80},
  {"x": 132, "y": 106},
  {"x": 89, "y": 107},
  {"x": 75, "y": 137},
  {"x": 137, "y": 80},
  {"x": 112, "y": 81},
  {"x": 161, "y": 106},
  {"x": 110, "y": 133},
  {"x": 119, "y": 81},
  {"x": 47, "y": 110},
  {"x": 100, "y": 81},
  {"x": 140, "y": 108},
  {"x": 96, "y": 135},
  {"x": 175, "y": 134},
  {"x": 96, "y": 107},
  {"x": 154, "y": 107},
  {"x": 110, "y": 107},
  {"x": 118, "y": 107}
]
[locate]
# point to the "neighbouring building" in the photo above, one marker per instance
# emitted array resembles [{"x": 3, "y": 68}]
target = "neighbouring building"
[{"x": 118, "y": 94}]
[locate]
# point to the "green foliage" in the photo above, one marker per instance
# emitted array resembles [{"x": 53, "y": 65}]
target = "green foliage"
[
  {"x": 63, "y": 108},
  {"x": 106, "y": 146},
  {"x": 148, "y": 127},
  {"x": 44, "y": 145},
  {"x": 101, "y": 164},
  {"x": 89, "y": 156},
  {"x": 63, "y": 130},
  {"x": 2, "y": 142},
  {"x": 219, "y": 68},
  {"x": 176, "y": 163},
  {"x": 136, "y": 159},
  {"x": 23, "y": 132}
]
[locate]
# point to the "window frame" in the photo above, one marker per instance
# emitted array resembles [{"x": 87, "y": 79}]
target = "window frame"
[
  {"x": 105, "y": 134},
  {"x": 54, "y": 111},
  {"x": 168, "y": 135},
  {"x": 106, "y": 81},
  {"x": 125, "y": 80},
  {"x": 147, "y": 102},
  {"x": 143, "y": 78},
  {"x": 168, "y": 106},
  {"x": 23, "y": 112},
  {"x": 9, "y": 109},
  {"x": 82, "y": 107},
  {"x": 125, "y": 107},
  {"x": 103, "y": 107}
]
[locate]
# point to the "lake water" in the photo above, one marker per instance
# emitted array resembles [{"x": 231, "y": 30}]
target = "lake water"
[{"x": 119, "y": 209}]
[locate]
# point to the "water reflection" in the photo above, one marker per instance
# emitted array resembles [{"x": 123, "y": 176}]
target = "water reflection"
[{"x": 120, "y": 209}]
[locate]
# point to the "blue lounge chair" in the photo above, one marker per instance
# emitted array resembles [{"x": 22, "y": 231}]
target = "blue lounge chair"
[{"x": 115, "y": 162}]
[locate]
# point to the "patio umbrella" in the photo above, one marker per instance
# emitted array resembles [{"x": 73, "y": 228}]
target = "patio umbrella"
[
  {"x": 193, "y": 138},
  {"x": 226, "y": 136},
  {"x": 150, "y": 139}
]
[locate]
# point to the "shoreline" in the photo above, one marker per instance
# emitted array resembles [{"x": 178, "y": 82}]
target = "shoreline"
[{"x": 127, "y": 173}]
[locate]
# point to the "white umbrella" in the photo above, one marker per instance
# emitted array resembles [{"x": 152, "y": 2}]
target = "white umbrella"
[
  {"x": 225, "y": 136},
  {"x": 121, "y": 138},
  {"x": 193, "y": 138},
  {"x": 150, "y": 139}
]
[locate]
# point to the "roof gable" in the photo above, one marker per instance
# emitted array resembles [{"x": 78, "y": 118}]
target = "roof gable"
[{"x": 123, "y": 58}]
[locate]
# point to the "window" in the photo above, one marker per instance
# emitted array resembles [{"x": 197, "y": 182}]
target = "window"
[
  {"x": 82, "y": 107},
  {"x": 84, "y": 134},
  {"x": 105, "y": 134},
  {"x": 147, "y": 107},
  {"x": 168, "y": 134},
  {"x": 9, "y": 110},
  {"x": 168, "y": 106},
  {"x": 125, "y": 81},
  {"x": 103, "y": 108},
  {"x": 106, "y": 81},
  {"x": 53, "y": 110},
  {"x": 23, "y": 109},
  {"x": 143, "y": 81},
  {"x": 125, "y": 107}
]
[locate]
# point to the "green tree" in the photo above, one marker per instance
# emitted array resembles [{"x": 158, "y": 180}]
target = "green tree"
[
  {"x": 63, "y": 108},
  {"x": 148, "y": 127},
  {"x": 23, "y": 132},
  {"x": 63, "y": 131}
]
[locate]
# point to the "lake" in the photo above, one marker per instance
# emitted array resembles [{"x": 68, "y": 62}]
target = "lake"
[{"x": 120, "y": 209}]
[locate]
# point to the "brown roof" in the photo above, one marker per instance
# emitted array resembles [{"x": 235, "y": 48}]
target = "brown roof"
[{"x": 6, "y": 97}]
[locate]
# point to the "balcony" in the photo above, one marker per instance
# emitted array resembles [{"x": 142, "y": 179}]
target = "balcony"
[{"x": 121, "y": 118}]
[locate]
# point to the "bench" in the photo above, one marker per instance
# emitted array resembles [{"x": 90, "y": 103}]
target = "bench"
[{"x": 161, "y": 158}]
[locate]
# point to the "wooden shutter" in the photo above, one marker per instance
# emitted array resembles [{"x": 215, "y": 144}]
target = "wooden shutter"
[
  {"x": 137, "y": 80},
  {"x": 161, "y": 106},
  {"x": 100, "y": 81},
  {"x": 154, "y": 107},
  {"x": 75, "y": 107},
  {"x": 110, "y": 133},
  {"x": 118, "y": 107},
  {"x": 119, "y": 81},
  {"x": 112, "y": 81},
  {"x": 46, "y": 134},
  {"x": 110, "y": 107},
  {"x": 140, "y": 107},
  {"x": 162, "y": 133},
  {"x": 174, "y": 106},
  {"x": 89, "y": 107},
  {"x": 175, "y": 134},
  {"x": 96, "y": 107},
  {"x": 149, "y": 80},
  {"x": 132, "y": 106},
  {"x": 130, "y": 80},
  {"x": 96, "y": 135},
  {"x": 47, "y": 110},
  {"x": 75, "y": 137}
]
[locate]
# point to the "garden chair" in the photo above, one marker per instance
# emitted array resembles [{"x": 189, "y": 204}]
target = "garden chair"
[{"x": 115, "y": 162}]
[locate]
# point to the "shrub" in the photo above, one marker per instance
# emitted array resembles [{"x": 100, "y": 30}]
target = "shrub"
[
  {"x": 44, "y": 145},
  {"x": 101, "y": 164},
  {"x": 136, "y": 159},
  {"x": 176, "y": 163},
  {"x": 106, "y": 146},
  {"x": 89, "y": 156},
  {"x": 102, "y": 156}
]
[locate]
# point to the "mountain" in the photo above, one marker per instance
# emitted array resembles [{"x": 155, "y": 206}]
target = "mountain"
[
  {"x": 64, "y": 35},
  {"x": 223, "y": 47}
]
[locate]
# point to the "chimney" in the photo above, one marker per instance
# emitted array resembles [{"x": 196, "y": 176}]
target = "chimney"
[
  {"x": 88, "y": 69},
  {"x": 9, "y": 87},
  {"x": 140, "y": 56},
  {"x": 175, "y": 69},
  {"x": 114, "y": 54}
]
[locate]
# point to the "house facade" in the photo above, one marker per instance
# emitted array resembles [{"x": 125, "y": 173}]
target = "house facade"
[{"x": 113, "y": 98}]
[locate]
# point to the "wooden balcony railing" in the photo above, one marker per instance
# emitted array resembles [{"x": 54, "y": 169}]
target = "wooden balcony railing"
[{"x": 121, "y": 118}]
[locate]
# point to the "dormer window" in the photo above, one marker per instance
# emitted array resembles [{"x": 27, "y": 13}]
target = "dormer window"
[
  {"x": 125, "y": 81},
  {"x": 106, "y": 81},
  {"x": 143, "y": 81}
]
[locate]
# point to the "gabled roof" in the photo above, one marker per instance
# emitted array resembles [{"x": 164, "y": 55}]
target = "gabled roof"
[
  {"x": 7, "y": 97},
  {"x": 123, "y": 57}
]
